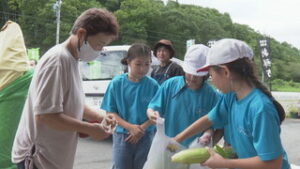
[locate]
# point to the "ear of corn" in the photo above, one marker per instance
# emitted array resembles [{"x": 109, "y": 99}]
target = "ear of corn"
[
  {"x": 172, "y": 148},
  {"x": 226, "y": 152},
  {"x": 192, "y": 155},
  {"x": 230, "y": 153},
  {"x": 200, "y": 155},
  {"x": 220, "y": 151}
]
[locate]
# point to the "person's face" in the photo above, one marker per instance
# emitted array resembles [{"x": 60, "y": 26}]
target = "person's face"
[
  {"x": 193, "y": 82},
  {"x": 100, "y": 40},
  {"x": 220, "y": 79},
  {"x": 163, "y": 54},
  {"x": 139, "y": 66},
  {"x": 97, "y": 41}
]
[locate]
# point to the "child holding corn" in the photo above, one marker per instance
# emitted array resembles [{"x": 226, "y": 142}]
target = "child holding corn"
[
  {"x": 252, "y": 115},
  {"x": 182, "y": 100}
]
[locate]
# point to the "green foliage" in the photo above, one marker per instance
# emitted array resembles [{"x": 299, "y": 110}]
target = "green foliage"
[
  {"x": 285, "y": 86},
  {"x": 149, "y": 21},
  {"x": 37, "y": 19},
  {"x": 293, "y": 111},
  {"x": 135, "y": 17},
  {"x": 111, "y": 5}
]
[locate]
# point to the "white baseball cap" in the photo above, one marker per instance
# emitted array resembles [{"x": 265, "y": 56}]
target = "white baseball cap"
[
  {"x": 194, "y": 58},
  {"x": 226, "y": 51}
]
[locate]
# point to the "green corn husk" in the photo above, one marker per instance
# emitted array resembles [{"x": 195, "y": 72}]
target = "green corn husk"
[
  {"x": 200, "y": 155},
  {"x": 192, "y": 155},
  {"x": 220, "y": 151},
  {"x": 230, "y": 153},
  {"x": 226, "y": 152}
]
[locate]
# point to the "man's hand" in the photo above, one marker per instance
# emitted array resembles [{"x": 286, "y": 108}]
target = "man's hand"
[
  {"x": 97, "y": 131},
  {"x": 109, "y": 122}
]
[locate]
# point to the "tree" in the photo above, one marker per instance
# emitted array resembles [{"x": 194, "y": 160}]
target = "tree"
[
  {"x": 39, "y": 25},
  {"x": 148, "y": 21},
  {"x": 135, "y": 18}
]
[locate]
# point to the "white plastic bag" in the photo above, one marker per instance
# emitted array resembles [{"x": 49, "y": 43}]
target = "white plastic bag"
[
  {"x": 294, "y": 166},
  {"x": 162, "y": 149}
]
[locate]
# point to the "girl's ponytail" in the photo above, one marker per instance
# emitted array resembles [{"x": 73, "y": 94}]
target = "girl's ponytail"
[
  {"x": 124, "y": 61},
  {"x": 244, "y": 68},
  {"x": 259, "y": 85}
]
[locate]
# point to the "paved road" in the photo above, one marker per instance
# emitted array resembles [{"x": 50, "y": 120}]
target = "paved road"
[
  {"x": 290, "y": 136},
  {"x": 93, "y": 154},
  {"x": 288, "y": 99},
  {"x": 97, "y": 155}
]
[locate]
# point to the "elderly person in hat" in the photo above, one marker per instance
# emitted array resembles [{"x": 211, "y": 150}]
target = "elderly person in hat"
[
  {"x": 184, "y": 99},
  {"x": 164, "y": 51}
]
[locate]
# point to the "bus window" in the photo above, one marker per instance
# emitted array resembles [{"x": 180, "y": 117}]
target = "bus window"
[{"x": 105, "y": 67}]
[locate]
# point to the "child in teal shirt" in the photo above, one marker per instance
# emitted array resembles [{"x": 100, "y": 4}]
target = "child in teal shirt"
[
  {"x": 182, "y": 100},
  {"x": 127, "y": 98},
  {"x": 248, "y": 110}
]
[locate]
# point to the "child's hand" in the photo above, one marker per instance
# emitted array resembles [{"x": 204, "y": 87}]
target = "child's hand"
[
  {"x": 133, "y": 139},
  {"x": 205, "y": 139},
  {"x": 215, "y": 160},
  {"x": 176, "y": 139},
  {"x": 153, "y": 115},
  {"x": 135, "y": 133}
]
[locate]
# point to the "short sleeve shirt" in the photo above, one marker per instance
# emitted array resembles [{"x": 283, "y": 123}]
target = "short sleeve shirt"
[
  {"x": 55, "y": 88},
  {"x": 130, "y": 99},
  {"x": 162, "y": 73},
  {"x": 253, "y": 125},
  {"x": 181, "y": 108}
]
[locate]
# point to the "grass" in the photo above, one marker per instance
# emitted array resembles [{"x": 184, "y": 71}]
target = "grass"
[
  {"x": 285, "y": 86},
  {"x": 285, "y": 89}
]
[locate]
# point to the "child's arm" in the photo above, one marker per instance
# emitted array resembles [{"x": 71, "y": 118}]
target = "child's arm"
[
  {"x": 146, "y": 124},
  {"x": 197, "y": 127},
  {"x": 216, "y": 161}
]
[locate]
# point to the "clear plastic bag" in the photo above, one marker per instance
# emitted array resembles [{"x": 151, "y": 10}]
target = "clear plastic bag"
[
  {"x": 162, "y": 149},
  {"x": 197, "y": 144},
  {"x": 108, "y": 127}
]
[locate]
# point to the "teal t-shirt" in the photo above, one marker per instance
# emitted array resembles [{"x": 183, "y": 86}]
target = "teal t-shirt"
[
  {"x": 253, "y": 125},
  {"x": 181, "y": 109},
  {"x": 130, "y": 99}
]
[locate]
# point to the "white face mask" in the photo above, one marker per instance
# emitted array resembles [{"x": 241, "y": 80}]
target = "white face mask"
[{"x": 87, "y": 53}]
